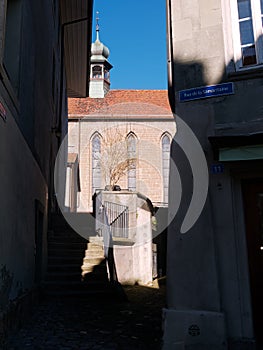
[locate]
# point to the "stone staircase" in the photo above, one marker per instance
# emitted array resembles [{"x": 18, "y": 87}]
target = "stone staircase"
[
  {"x": 94, "y": 261},
  {"x": 76, "y": 266}
]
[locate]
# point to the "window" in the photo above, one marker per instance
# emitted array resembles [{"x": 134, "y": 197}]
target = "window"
[
  {"x": 247, "y": 26},
  {"x": 96, "y": 166},
  {"x": 131, "y": 146},
  {"x": 106, "y": 74},
  {"x": 96, "y": 72},
  {"x": 166, "y": 165}
]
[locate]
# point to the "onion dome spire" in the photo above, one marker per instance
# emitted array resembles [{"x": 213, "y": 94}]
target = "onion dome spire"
[
  {"x": 99, "y": 66},
  {"x": 97, "y": 26}
]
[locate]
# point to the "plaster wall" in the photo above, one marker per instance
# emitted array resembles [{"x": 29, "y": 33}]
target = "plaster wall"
[
  {"x": 134, "y": 263},
  {"x": 22, "y": 184},
  {"x": 194, "y": 24},
  {"x": 207, "y": 266},
  {"x": 35, "y": 108},
  {"x": 204, "y": 264},
  {"x": 97, "y": 89}
]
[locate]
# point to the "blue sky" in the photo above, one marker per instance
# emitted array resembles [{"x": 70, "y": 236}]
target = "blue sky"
[{"x": 135, "y": 33}]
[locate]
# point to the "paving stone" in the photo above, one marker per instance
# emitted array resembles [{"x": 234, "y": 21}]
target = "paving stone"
[{"x": 82, "y": 324}]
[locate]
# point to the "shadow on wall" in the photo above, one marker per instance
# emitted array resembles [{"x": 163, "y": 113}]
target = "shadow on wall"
[
  {"x": 98, "y": 281},
  {"x": 237, "y": 113},
  {"x": 212, "y": 116},
  {"x": 6, "y": 282}
]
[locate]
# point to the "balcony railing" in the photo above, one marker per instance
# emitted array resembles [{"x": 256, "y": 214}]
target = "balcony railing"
[{"x": 118, "y": 219}]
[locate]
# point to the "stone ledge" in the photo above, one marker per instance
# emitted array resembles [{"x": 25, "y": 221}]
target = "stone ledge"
[{"x": 123, "y": 241}]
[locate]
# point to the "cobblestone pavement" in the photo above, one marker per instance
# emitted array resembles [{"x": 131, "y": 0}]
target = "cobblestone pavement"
[{"x": 82, "y": 325}]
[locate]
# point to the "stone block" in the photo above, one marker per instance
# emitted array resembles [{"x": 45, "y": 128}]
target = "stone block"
[{"x": 202, "y": 330}]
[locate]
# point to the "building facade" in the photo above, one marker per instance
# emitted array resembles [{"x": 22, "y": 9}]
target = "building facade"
[
  {"x": 39, "y": 51},
  {"x": 215, "y": 87}
]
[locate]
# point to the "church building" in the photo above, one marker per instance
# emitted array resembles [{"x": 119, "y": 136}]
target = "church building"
[{"x": 123, "y": 131}]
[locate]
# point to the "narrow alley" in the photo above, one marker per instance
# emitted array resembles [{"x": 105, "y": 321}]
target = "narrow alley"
[{"x": 81, "y": 324}]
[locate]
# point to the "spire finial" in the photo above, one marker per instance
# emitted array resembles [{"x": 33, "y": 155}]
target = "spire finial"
[{"x": 97, "y": 25}]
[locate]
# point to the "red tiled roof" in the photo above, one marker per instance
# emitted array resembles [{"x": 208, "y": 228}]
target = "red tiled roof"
[{"x": 138, "y": 103}]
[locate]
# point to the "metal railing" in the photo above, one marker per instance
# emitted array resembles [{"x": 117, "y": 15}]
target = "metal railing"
[{"x": 118, "y": 218}]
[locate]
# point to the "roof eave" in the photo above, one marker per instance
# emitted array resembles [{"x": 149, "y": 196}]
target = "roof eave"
[{"x": 76, "y": 19}]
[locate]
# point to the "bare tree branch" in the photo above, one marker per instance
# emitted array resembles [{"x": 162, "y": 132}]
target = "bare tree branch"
[{"x": 114, "y": 158}]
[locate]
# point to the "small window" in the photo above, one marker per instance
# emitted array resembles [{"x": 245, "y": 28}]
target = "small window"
[
  {"x": 247, "y": 24},
  {"x": 106, "y": 74},
  {"x": 131, "y": 143},
  {"x": 96, "y": 72},
  {"x": 166, "y": 166}
]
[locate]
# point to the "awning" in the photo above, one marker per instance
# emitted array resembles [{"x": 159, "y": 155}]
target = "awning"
[{"x": 76, "y": 18}]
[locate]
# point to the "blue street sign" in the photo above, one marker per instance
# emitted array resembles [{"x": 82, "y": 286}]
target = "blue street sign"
[{"x": 206, "y": 91}]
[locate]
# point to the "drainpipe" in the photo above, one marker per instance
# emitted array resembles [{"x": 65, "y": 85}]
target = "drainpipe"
[{"x": 170, "y": 66}]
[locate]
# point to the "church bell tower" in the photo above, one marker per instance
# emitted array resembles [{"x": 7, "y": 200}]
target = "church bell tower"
[{"x": 100, "y": 67}]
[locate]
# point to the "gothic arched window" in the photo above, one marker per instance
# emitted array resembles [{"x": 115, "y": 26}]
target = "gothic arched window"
[
  {"x": 166, "y": 165},
  {"x": 131, "y": 147},
  {"x": 96, "y": 164}
]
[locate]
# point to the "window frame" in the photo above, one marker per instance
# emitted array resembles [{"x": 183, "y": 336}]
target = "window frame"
[
  {"x": 94, "y": 160},
  {"x": 132, "y": 153},
  {"x": 165, "y": 161},
  {"x": 257, "y": 31},
  {"x": 99, "y": 72}
]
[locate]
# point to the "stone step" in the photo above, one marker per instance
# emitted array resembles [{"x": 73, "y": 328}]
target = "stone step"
[
  {"x": 88, "y": 267},
  {"x": 96, "y": 239},
  {"x": 69, "y": 268},
  {"x": 93, "y": 261},
  {"x": 65, "y": 287},
  {"x": 66, "y": 253},
  {"x": 63, "y": 276},
  {"x": 94, "y": 253},
  {"x": 76, "y": 266},
  {"x": 95, "y": 275},
  {"x": 64, "y": 230},
  {"x": 82, "y": 221},
  {"x": 99, "y": 294},
  {"x": 68, "y": 260},
  {"x": 91, "y": 269},
  {"x": 67, "y": 245},
  {"x": 67, "y": 240},
  {"x": 98, "y": 247}
]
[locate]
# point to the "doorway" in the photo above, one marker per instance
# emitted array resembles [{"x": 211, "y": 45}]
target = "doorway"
[{"x": 253, "y": 206}]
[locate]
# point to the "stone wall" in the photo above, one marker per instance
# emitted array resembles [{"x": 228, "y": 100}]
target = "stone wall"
[{"x": 33, "y": 107}]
